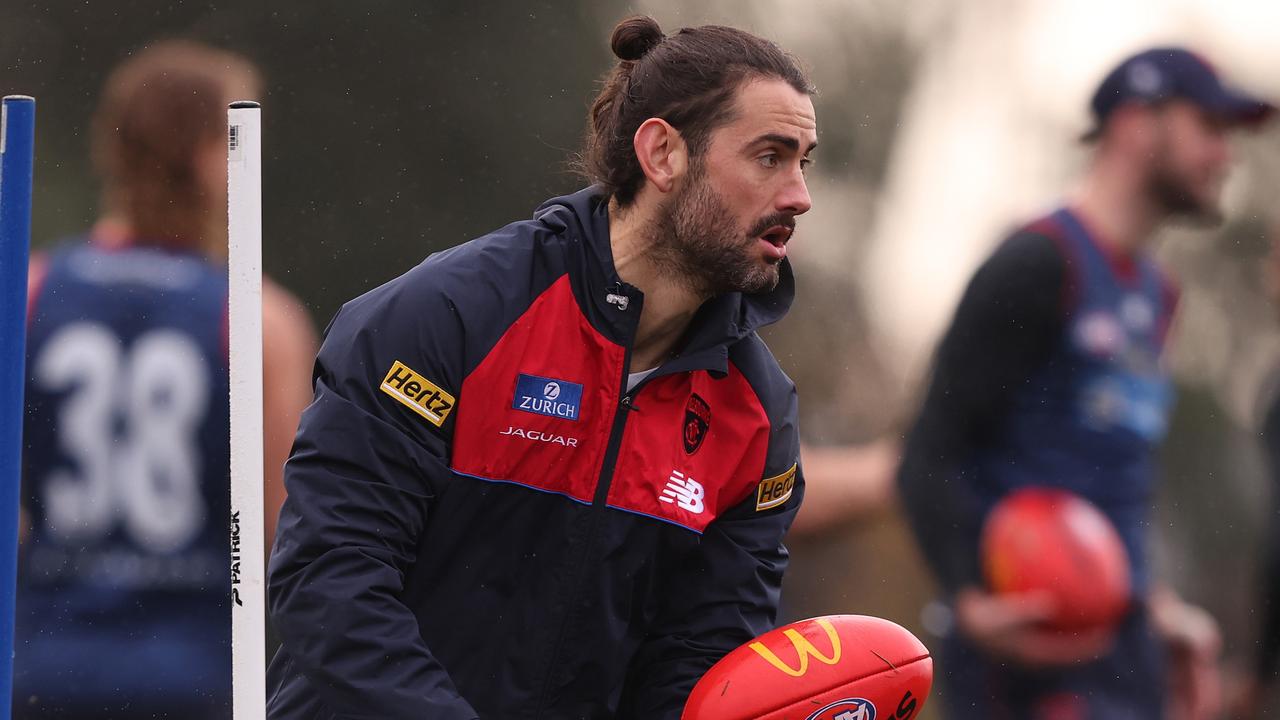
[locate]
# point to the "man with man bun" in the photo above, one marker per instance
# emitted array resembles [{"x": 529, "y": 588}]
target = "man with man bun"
[{"x": 547, "y": 473}]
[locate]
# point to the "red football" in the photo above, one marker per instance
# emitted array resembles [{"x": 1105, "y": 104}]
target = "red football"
[
  {"x": 1051, "y": 539},
  {"x": 838, "y": 667}
]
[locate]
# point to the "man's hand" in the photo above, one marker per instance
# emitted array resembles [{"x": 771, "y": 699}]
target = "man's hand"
[
  {"x": 1194, "y": 643},
  {"x": 1013, "y": 627}
]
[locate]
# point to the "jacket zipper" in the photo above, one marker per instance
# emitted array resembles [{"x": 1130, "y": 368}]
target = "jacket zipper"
[{"x": 603, "y": 483}]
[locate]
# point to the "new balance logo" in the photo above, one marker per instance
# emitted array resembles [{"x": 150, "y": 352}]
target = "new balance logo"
[{"x": 685, "y": 492}]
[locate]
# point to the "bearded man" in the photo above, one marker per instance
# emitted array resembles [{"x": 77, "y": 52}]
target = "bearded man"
[
  {"x": 547, "y": 473},
  {"x": 1050, "y": 375}
]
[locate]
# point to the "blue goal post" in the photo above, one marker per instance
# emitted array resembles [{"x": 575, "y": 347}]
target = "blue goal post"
[{"x": 17, "y": 136}]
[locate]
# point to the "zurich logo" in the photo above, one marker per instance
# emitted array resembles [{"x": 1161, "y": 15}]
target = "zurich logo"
[
  {"x": 547, "y": 396},
  {"x": 849, "y": 709}
]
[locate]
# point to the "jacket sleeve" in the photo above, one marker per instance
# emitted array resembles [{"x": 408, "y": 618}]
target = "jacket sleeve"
[
  {"x": 1005, "y": 328},
  {"x": 725, "y": 595},
  {"x": 361, "y": 480}
]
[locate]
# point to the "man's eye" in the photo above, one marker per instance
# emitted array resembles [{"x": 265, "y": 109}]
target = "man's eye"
[
  {"x": 805, "y": 163},
  {"x": 769, "y": 161}
]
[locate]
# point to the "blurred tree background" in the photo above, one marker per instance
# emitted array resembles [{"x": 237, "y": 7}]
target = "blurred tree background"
[
  {"x": 390, "y": 130},
  {"x": 396, "y": 129}
]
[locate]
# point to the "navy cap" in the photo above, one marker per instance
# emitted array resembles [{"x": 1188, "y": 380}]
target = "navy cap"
[{"x": 1165, "y": 73}]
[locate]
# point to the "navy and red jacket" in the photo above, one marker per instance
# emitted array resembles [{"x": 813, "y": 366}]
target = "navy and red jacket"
[{"x": 483, "y": 521}]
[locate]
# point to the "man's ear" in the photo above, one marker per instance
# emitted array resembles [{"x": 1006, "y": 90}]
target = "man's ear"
[{"x": 662, "y": 153}]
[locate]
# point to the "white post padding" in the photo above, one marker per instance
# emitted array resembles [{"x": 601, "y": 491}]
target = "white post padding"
[{"x": 244, "y": 261}]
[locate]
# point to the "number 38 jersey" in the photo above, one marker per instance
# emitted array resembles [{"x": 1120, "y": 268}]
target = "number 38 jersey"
[{"x": 124, "y": 571}]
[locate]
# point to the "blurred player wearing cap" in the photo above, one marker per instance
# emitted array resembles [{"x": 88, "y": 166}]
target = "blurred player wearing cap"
[
  {"x": 1050, "y": 374},
  {"x": 122, "y": 607}
]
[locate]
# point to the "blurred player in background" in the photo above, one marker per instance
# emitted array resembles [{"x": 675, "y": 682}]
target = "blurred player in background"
[
  {"x": 547, "y": 473},
  {"x": 1050, "y": 374},
  {"x": 123, "y": 581}
]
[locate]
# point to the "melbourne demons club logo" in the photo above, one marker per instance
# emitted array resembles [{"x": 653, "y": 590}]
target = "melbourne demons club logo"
[
  {"x": 850, "y": 709},
  {"x": 697, "y": 418}
]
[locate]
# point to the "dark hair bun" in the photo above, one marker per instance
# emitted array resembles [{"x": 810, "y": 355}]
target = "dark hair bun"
[{"x": 635, "y": 36}]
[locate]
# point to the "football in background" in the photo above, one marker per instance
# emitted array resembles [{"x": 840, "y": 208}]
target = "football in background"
[
  {"x": 1053, "y": 540},
  {"x": 838, "y": 667}
]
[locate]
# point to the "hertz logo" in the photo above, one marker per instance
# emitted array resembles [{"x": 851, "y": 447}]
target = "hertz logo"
[
  {"x": 803, "y": 648},
  {"x": 776, "y": 490},
  {"x": 417, "y": 393}
]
